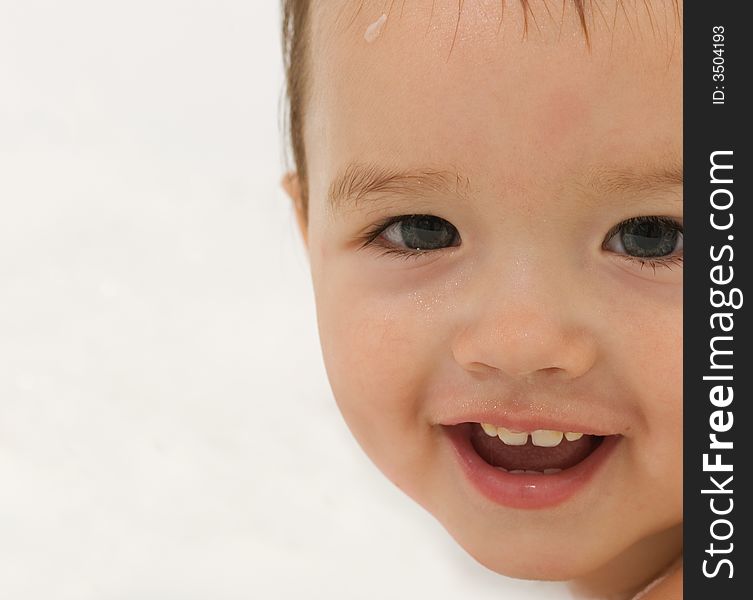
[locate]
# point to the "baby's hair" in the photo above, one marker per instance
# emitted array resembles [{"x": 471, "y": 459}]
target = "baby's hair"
[{"x": 296, "y": 15}]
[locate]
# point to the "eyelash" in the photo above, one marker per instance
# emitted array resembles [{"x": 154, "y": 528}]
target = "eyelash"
[
  {"x": 667, "y": 262},
  {"x": 370, "y": 236},
  {"x": 368, "y": 239}
]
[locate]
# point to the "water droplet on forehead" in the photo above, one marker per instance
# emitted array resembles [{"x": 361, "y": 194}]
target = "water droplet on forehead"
[{"x": 374, "y": 30}]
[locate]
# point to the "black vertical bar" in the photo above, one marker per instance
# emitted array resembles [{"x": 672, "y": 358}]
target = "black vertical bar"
[{"x": 718, "y": 562}]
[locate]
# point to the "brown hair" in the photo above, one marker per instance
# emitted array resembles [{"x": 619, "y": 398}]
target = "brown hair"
[
  {"x": 295, "y": 19},
  {"x": 296, "y": 15}
]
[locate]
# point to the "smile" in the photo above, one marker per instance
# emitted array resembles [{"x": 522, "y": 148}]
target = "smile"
[
  {"x": 528, "y": 469},
  {"x": 542, "y": 451}
]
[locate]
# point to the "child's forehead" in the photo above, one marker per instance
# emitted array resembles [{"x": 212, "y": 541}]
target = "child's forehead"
[
  {"x": 447, "y": 26},
  {"x": 423, "y": 87},
  {"x": 381, "y": 48}
]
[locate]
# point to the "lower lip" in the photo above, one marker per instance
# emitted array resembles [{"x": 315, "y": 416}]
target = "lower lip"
[{"x": 520, "y": 490}]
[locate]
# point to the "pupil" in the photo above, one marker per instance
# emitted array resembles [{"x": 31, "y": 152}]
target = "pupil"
[
  {"x": 426, "y": 233},
  {"x": 649, "y": 238}
]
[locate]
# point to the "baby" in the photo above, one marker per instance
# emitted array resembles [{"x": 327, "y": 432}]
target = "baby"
[{"x": 490, "y": 194}]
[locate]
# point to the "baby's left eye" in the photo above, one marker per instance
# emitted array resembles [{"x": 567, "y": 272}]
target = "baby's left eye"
[{"x": 646, "y": 238}]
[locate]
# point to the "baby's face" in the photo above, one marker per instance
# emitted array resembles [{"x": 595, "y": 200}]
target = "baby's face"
[{"x": 539, "y": 289}]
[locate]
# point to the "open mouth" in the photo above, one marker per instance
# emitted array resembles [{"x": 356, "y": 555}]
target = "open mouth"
[
  {"x": 528, "y": 469},
  {"x": 541, "y": 451}
]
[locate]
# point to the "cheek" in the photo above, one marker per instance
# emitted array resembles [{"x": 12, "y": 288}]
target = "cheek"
[
  {"x": 663, "y": 407},
  {"x": 377, "y": 354},
  {"x": 644, "y": 329},
  {"x": 658, "y": 366},
  {"x": 651, "y": 351}
]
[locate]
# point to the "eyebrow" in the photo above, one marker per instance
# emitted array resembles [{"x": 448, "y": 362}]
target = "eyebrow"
[
  {"x": 613, "y": 181},
  {"x": 359, "y": 182}
]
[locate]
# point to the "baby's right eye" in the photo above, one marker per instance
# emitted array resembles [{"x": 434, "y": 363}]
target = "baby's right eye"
[{"x": 413, "y": 235}]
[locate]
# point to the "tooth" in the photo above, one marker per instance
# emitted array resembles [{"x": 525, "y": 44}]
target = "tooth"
[
  {"x": 534, "y": 473},
  {"x": 546, "y": 438},
  {"x": 517, "y": 471},
  {"x": 571, "y": 437},
  {"x": 552, "y": 471},
  {"x": 489, "y": 429},
  {"x": 501, "y": 469},
  {"x": 512, "y": 438}
]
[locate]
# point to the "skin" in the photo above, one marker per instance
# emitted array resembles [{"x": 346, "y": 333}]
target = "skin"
[{"x": 529, "y": 314}]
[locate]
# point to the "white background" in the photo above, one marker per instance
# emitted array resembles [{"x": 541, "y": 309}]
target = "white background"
[{"x": 166, "y": 427}]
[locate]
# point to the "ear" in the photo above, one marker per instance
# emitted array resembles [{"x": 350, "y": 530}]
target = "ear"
[{"x": 292, "y": 186}]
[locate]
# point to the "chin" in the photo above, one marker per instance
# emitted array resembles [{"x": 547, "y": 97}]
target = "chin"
[{"x": 560, "y": 562}]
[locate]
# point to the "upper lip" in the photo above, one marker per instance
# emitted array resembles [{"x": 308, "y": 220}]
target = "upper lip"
[
  {"x": 530, "y": 421},
  {"x": 588, "y": 408}
]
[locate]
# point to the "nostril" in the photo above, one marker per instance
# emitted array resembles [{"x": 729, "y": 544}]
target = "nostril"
[{"x": 519, "y": 341}]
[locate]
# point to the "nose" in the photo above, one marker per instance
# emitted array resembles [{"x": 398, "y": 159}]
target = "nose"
[{"x": 538, "y": 327}]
